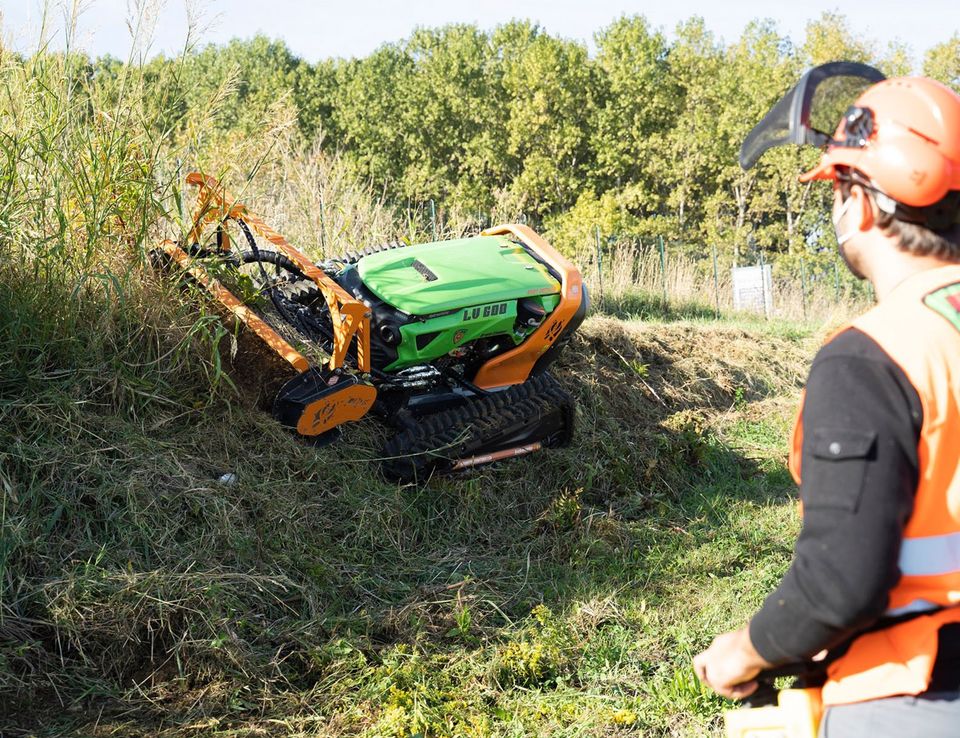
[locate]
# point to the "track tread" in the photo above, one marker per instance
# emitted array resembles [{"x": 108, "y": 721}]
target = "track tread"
[
  {"x": 437, "y": 441},
  {"x": 352, "y": 257}
]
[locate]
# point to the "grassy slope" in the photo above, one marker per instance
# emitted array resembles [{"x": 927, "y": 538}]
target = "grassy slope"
[{"x": 562, "y": 594}]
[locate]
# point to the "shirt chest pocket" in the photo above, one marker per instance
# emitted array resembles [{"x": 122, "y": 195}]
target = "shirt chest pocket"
[{"x": 834, "y": 467}]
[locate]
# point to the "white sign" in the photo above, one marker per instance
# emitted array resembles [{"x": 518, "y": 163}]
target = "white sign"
[{"x": 753, "y": 289}]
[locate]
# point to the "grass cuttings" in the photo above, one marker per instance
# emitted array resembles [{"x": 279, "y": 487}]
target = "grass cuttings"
[{"x": 562, "y": 594}]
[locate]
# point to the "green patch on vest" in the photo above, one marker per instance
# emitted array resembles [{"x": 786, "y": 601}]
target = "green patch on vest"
[{"x": 946, "y": 301}]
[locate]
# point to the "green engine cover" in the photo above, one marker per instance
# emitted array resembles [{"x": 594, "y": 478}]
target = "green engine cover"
[
  {"x": 436, "y": 277},
  {"x": 457, "y": 292}
]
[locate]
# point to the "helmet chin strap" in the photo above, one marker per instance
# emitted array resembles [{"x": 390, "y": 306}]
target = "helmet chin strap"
[{"x": 842, "y": 238}]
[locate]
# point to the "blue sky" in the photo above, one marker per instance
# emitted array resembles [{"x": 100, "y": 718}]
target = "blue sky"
[{"x": 326, "y": 28}]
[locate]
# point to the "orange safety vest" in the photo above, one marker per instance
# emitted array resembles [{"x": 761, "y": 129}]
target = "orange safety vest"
[{"x": 918, "y": 326}]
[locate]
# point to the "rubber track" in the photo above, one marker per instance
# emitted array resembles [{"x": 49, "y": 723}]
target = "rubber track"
[
  {"x": 439, "y": 440},
  {"x": 353, "y": 257},
  {"x": 301, "y": 290}
]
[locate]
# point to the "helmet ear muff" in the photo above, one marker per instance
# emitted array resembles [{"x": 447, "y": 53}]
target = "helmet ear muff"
[{"x": 913, "y": 171}]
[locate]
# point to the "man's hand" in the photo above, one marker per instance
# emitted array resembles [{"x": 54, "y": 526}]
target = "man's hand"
[{"x": 730, "y": 664}]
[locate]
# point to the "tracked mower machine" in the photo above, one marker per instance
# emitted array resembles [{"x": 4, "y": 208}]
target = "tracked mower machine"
[{"x": 448, "y": 342}]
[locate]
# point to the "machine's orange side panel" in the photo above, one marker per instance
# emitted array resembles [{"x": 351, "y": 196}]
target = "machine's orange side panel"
[
  {"x": 235, "y": 306},
  {"x": 514, "y": 366},
  {"x": 350, "y": 403}
]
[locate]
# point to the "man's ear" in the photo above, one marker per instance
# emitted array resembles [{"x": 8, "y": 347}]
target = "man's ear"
[{"x": 862, "y": 208}]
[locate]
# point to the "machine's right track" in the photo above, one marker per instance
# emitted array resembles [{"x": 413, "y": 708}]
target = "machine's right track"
[{"x": 525, "y": 417}]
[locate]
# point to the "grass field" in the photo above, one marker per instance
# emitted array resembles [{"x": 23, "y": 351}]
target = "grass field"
[
  {"x": 559, "y": 595},
  {"x": 140, "y": 595}
]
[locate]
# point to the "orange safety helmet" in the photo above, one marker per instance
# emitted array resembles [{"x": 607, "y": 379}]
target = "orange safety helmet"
[
  {"x": 901, "y": 135},
  {"x": 906, "y": 140}
]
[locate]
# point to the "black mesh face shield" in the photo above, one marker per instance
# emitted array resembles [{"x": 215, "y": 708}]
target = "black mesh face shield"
[{"x": 810, "y": 111}]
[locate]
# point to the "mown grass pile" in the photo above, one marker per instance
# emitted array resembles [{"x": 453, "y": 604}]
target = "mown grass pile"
[{"x": 143, "y": 591}]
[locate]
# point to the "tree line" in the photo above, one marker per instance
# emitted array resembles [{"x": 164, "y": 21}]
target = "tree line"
[{"x": 638, "y": 139}]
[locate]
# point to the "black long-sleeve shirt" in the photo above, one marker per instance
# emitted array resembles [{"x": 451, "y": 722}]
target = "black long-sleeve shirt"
[{"x": 859, "y": 468}]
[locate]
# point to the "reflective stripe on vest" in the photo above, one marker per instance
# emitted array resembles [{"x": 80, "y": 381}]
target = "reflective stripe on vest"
[
  {"x": 931, "y": 555},
  {"x": 919, "y": 605},
  {"x": 925, "y": 344}
]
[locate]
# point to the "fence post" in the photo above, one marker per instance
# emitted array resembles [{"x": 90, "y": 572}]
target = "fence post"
[
  {"x": 636, "y": 263},
  {"x": 599, "y": 263},
  {"x": 323, "y": 227},
  {"x": 836, "y": 281},
  {"x": 663, "y": 269},
  {"x": 716, "y": 280},
  {"x": 763, "y": 287},
  {"x": 433, "y": 217},
  {"x": 803, "y": 286}
]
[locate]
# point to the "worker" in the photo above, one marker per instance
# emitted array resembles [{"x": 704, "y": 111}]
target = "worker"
[{"x": 874, "y": 585}]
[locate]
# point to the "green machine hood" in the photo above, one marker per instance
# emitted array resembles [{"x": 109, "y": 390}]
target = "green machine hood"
[{"x": 438, "y": 277}]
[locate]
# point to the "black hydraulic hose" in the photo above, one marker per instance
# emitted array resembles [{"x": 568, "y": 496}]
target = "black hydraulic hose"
[
  {"x": 271, "y": 257},
  {"x": 259, "y": 259},
  {"x": 255, "y": 255}
]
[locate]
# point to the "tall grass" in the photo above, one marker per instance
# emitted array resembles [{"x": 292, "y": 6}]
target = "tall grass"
[
  {"x": 316, "y": 199},
  {"x": 83, "y": 187},
  {"x": 89, "y": 338}
]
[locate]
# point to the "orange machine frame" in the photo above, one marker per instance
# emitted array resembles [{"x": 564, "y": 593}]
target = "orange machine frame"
[
  {"x": 226, "y": 298},
  {"x": 345, "y": 401},
  {"x": 350, "y": 317},
  {"x": 514, "y": 366}
]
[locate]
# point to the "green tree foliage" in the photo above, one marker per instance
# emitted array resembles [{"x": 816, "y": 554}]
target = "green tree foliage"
[
  {"x": 550, "y": 89},
  {"x": 314, "y": 89},
  {"x": 641, "y": 138},
  {"x": 453, "y": 118},
  {"x": 259, "y": 71},
  {"x": 942, "y": 62},
  {"x": 367, "y": 101},
  {"x": 692, "y": 155},
  {"x": 755, "y": 73},
  {"x": 829, "y": 38},
  {"x": 896, "y": 62},
  {"x": 637, "y": 103}
]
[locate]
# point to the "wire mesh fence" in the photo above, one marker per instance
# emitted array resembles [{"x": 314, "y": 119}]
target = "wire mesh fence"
[{"x": 615, "y": 269}]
